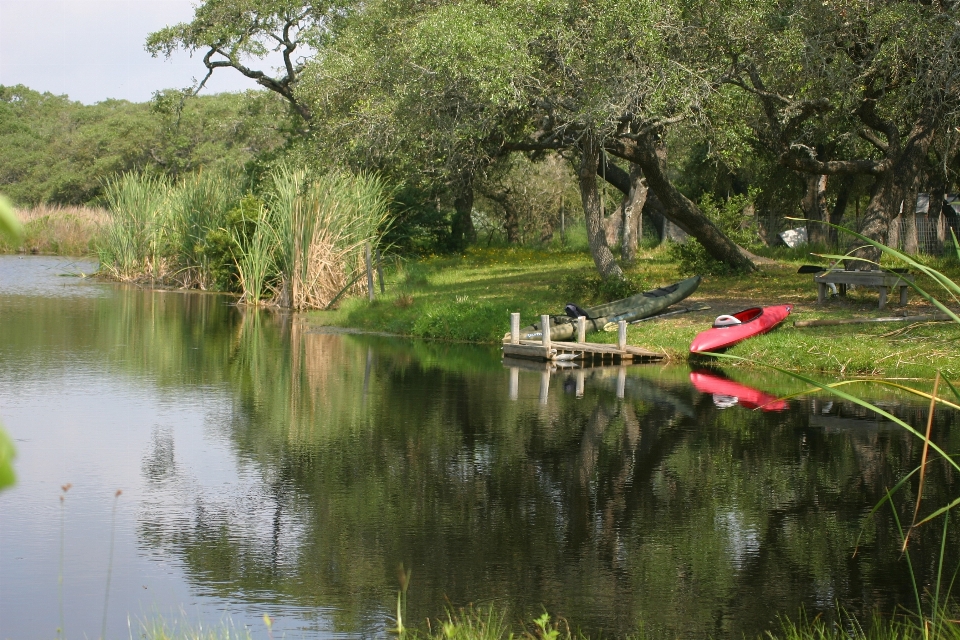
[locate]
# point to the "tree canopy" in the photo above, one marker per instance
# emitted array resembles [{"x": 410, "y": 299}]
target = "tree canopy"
[
  {"x": 800, "y": 106},
  {"x": 55, "y": 150}
]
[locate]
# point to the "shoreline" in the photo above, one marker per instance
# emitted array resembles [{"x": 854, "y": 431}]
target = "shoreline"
[{"x": 467, "y": 299}]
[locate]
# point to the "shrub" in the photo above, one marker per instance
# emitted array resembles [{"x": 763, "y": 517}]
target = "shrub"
[
  {"x": 222, "y": 245},
  {"x": 588, "y": 288},
  {"x": 730, "y": 217}
]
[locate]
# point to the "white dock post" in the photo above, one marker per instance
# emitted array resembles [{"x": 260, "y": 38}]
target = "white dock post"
[
  {"x": 621, "y": 381},
  {"x": 622, "y": 335},
  {"x": 514, "y": 382},
  {"x": 514, "y": 328},
  {"x": 581, "y": 329},
  {"x": 545, "y": 330}
]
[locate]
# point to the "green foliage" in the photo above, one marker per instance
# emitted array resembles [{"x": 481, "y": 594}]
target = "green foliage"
[
  {"x": 222, "y": 245},
  {"x": 732, "y": 218},
  {"x": 10, "y": 229},
  {"x": 59, "y": 151},
  {"x": 159, "y": 628},
  {"x": 421, "y": 226},
  {"x": 7, "y": 452},
  {"x": 588, "y": 288}
]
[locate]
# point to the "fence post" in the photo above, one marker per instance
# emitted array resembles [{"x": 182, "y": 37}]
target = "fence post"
[
  {"x": 370, "y": 294},
  {"x": 383, "y": 288}
]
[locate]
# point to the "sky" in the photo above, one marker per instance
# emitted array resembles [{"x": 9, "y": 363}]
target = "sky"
[{"x": 92, "y": 50}]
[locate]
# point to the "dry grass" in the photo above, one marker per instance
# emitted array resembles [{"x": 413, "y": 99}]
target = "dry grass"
[{"x": 54, "y": 229}]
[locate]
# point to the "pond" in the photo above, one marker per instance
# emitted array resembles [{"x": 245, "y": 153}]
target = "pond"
[{"x": 269, "y": 467}]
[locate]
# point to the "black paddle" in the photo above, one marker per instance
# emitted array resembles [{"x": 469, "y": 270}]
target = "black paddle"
[{"x": 811, "y": 268}]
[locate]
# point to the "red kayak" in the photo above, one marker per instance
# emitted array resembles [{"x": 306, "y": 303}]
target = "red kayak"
[
  {"x": 747, "y": 397},
  {"x": 729, "y": 330}
]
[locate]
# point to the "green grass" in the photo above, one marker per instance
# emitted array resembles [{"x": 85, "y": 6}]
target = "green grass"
[{"x": 469, "y": 298}]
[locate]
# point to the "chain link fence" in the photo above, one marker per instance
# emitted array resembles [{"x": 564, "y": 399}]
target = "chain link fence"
[{"x": 932, "y": 227}]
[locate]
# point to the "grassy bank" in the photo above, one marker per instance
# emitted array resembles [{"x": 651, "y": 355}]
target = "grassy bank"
[
  {"x": 52, "y": 229},
  {"x": 469, "y": 298},
  {"x": 487, "y": 624}
]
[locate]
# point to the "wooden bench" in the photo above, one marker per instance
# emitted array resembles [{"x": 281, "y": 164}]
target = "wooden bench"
[{"x": 882, "y": 280}]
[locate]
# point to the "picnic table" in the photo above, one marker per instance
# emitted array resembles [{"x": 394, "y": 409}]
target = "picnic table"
[{"x": 882, "y": 280}]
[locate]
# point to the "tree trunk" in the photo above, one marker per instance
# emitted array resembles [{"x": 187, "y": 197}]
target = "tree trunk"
[
  {"x": 650, "y": 154},
  {"x": 935, "y": 208},
  {"x": 839, "y": 208},
  {"x": 892, "y": 185},
  {"x": 590, "y": 194},
  {"x": 462, "y": 231},
  {"x": 611, "y": 227},
  {"x": 942, "y": 231},
  {"x": 910, "y": 239},
  {"x": 893, "y": 237},
  {"x": 632, "y": 208},
  {"x": 511, "y": 222},
  {"x": 673, "y": 233},
  {"x": 814, "y": 205},
  {"x": 653, "y": 211},
  {"x": 911, "y": 243},
  {"x": 877, "y": 215}
]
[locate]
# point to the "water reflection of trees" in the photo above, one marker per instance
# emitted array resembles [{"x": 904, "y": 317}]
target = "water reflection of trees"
[{"x": 657, "y": 508}]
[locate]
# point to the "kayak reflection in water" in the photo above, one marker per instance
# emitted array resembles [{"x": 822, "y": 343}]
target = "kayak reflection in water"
[{"x": 727, "y": 393}]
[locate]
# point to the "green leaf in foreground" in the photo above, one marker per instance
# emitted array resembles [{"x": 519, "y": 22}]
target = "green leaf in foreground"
[
  {"x": 6, "y": 460},
  {"x": 9, "y": 225}
]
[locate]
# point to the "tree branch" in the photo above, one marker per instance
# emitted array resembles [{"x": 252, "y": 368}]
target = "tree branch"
[
  {"x": 872, "y": 138},
  {"x": 802, "y": 158}
]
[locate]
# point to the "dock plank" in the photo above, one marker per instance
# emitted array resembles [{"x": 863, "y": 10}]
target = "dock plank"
[{"x": 535, "y": 349}]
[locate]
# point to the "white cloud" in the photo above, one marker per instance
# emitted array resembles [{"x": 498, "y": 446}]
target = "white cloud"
[{"x": 93, "y": 50}]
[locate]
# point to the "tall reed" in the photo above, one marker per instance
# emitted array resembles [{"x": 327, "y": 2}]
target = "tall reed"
[
  {"x": 321, "y": 227},
  {"x": 255, "y": 261},
  {"x": 133, "y": 246},
  {"x": 300, "y": 250},
  {"x": 198, "y": 205}
]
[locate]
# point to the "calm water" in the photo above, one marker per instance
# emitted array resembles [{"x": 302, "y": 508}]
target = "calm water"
[{"x": 268, "y": 468}]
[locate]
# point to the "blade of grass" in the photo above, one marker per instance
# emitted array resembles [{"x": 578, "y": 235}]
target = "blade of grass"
[
  {"x": 952, "y": 388},
  {"x": 923, "y": 459},
  {"x": 885, "y": 383},
  {"x": 906, "y": 553},
  {"x": 882, "y": 502},
  {"x": 936, "y": 592}
]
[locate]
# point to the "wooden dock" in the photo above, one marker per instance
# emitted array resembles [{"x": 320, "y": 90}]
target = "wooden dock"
[{"x": 581, "y": 352}]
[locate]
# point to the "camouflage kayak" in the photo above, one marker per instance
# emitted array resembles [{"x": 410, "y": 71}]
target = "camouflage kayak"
[{"x": 633, "y": 308}]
